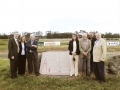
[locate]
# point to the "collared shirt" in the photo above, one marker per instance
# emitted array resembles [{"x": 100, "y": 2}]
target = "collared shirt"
[
  {"x": 85, "y": 44},
  {"x": 16, "y": 40},
  {"x": 31, "y": 44},
  {"x": 23, "y": 49},
  {"x": 74, "y": 46},
  {"x": 97, "y": 41}
]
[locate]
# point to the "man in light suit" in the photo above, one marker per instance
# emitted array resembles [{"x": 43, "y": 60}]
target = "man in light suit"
[
  {"x": 32, "y": 55},
  {"x": 13, "y": 50},
  {"x": 99, "y": 54},
  {"x": 85, "y": 48}
]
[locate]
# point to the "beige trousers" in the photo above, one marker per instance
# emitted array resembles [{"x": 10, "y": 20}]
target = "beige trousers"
[{"x": 74, "y": 64}]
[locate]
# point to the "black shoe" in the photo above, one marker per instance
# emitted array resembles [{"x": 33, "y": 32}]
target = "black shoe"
[
  {"x": 94, "y": 79},
  {"x": 102, "y": 82},
  {"x": 37, "y": 74},
  {"x": 13, "y": 77}
]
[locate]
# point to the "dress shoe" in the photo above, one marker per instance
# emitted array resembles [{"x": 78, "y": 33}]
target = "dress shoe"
[
  {"x": 37, "y": 74},
  {"x": 76, "y": 75},
  {"x": 102, "y": 82}
]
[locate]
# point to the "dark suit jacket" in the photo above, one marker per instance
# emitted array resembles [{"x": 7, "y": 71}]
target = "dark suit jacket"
[
  {"x": 70, "y": 47},
  {"x": 12, "y": 48},
  {"x": 20, "y": 46},
  {"x": 92, "y": 44},
  {"x": 33, "y": 49}
]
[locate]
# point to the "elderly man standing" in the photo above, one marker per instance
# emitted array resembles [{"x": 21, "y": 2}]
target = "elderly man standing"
[
  {"x": 99, "y": 54},
  {"x": 13, "y": 50},
  {"x": 32, "y": 55},
  {"x": 85, "y": 48}
]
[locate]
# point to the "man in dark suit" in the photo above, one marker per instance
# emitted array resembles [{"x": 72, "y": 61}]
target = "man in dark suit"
[
  {"x": 13, "y": 50},
  {"x": 93, "y": 39},
  {"x": 32, "y": 55}
]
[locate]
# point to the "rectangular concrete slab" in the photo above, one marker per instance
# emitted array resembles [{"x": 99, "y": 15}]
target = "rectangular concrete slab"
[{"x": 55, "y": 63}]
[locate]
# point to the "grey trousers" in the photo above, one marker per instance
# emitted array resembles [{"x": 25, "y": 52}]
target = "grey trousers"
[{"x": 83, "y": 65}]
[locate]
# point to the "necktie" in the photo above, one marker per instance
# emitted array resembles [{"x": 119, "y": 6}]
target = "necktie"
[
  {"x": 32, "y": 42},
  {"x": 17, "y": 46},
  {"x": 85, "y": 44}
]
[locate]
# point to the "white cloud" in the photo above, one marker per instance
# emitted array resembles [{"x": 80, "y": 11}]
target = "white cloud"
[{"x": 34, "y": 15}]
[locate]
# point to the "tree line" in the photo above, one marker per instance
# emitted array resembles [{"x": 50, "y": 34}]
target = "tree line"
[{"x": 56, "y": 34}]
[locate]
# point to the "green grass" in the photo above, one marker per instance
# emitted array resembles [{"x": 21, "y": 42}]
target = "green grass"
[
  {"x": 3, "y": 45},
  {"x": 63, "y": 46},
  {"x": 53, "y": 82}
]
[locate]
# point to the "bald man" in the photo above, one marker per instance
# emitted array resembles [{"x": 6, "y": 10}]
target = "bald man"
[
  {"x": 32, "y": 55},
  {"x": 99, "y": 55},
  {"x": 85, "y": 48}
]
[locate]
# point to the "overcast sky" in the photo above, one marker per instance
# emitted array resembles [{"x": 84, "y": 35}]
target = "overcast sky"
[{"x": 60, "y": 15}]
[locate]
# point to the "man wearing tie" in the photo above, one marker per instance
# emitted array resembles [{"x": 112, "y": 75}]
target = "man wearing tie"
[
  {"x": 99, "y": 54},
  {"x": 13, "y": 50},
  {"x": 32, "y": 55}
]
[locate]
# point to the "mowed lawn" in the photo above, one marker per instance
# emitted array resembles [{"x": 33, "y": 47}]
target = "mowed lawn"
[{"x": 43, "y": 82}]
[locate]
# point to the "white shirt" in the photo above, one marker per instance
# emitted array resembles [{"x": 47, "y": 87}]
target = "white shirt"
[
  {"x": 23, "y": 49},
  {"x": 74, "y": 46},
  {"x": 16, "y": 41},
  {"x": 31, "y": 44},
  {"x": 85, "y": 44},
  {"x": 97, "y": 41}
]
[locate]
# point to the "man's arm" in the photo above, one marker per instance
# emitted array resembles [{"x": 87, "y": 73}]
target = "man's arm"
[
  {"x": 69, "y": 46},
  {"x": 10, "y": 48},
  {"x": 32, "y": 47},
  {"x": 36, "y": 44},
  {"x": 104, "y": 50},
  {"x": 28, "y": 45}
]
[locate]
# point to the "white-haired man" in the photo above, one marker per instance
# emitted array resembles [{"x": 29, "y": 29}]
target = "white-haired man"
[
  {"x": 32, "y": 55},
  {"x": 99, "y": 54},
  {"x": 85, "y": 48}
]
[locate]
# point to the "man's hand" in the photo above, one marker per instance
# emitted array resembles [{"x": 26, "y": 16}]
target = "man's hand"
[
  {"x": 34, "y": 46},
  {"x": 73, "y": 53},
  {"x": 85, "y": 53},
  {"x": 101, "y": 60},
  {"x": 12, "y": 57}
]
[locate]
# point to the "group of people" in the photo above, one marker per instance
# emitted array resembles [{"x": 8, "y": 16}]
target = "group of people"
[
  {"x": 89, "y": 53},
  {"x": 19, "y": 51}
]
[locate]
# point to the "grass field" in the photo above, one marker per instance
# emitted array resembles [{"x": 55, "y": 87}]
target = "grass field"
[
  {"x": 63, "y": 46},
  {"x": 52, "y": 82}
]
